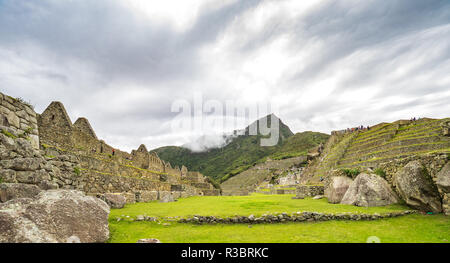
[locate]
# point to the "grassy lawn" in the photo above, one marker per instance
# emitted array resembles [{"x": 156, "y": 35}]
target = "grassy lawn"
[
  {"x": 256, "y": 204},
  {"x": 411, "y": 228}
]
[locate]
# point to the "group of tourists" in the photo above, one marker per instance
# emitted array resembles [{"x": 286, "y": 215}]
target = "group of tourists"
[{"x": 359, "y": 128}]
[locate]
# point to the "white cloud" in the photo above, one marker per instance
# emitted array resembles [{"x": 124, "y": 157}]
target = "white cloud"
[{"x": 325, "y": 64}]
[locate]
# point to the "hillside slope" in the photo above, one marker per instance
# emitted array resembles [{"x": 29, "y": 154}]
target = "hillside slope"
[
  {"x": 240, "y": 154},
  {"x": 383, "y": 143},
  {"x": 299, "y": 144},
  {"x": 247, "y": 181},
  {"x": 291, "y": 153}
]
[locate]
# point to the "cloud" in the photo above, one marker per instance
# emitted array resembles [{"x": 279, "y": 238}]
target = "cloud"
[{"x": 324, "y": 64}]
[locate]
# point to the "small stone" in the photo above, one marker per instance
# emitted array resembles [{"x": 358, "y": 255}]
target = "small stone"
[{"x": 149, "y": 241}]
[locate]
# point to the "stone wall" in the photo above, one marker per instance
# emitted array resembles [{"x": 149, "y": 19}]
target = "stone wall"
[
  {"x": 55, "y": 125},
  {"x": 19, "y": 116},
  {"x": 309, "y": 190},
  {"x": 21, "y": 163},
  {"x": 98, "y": 161},
  {"x": 286, "y": 218},
  {"x": 49, "y": 151},
  {"x": 433, "y": 162}
]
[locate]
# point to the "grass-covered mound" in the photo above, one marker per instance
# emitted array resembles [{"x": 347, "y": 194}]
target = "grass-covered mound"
[{"x": 411, "y": 228}]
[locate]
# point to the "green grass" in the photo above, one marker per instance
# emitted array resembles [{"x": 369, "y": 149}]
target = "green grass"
[
  {"x": 256, "y": 204},
  {"x": 411, "y": 229}
]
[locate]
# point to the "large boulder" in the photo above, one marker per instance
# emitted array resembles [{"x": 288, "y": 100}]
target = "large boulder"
[
  {"x": 54, "y": 216},
  {"x": 417, "y": 189},
  {"x": 115, "y": 200},
  {"x": 443, "y": 183},
  {"x": 369, "y": 190},
  {"x": 337, "y": 188},
  {"x": 443, "y": 179},
  {"x": 13, "y": 191}
]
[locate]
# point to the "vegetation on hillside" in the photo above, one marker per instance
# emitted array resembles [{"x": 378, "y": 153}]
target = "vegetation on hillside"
[
  {"x": 299, "y": 144},
  {"x": 241, "y": 153}
]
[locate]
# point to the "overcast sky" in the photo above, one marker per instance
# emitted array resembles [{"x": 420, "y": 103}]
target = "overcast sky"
[{"x": 326, "y": 65}]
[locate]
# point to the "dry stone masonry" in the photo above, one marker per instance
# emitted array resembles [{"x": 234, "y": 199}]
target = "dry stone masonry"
[
  {"x": 49, "y": 151},
  {"x": 292, "y": 217},
  {"x": 309, "y": 191},
  {"x": 20, "y": 117}
]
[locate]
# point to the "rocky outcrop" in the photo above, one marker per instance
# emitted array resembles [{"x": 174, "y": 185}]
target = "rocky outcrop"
[
  {"x": 443, "y": 184},
  {"x": 13, "y": 191},
  {"x": 54, "y": 216},
  {"x": 115, "y": 200},
  {"x": 337, "y": 188},
  {"x": 369, "y": 190},
  {"x": 417, "y": 189},
  {"x": 443, "y": 179}
]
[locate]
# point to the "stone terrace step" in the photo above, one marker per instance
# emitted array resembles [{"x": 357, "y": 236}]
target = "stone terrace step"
[
  {"x": 392, "y": 144},
  {"x": 397, "y": 151}
]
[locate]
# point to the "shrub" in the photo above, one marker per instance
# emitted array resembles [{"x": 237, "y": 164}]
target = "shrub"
[
  {"x": 77, "y": 170},
  {"x": 380, "y": 172},
  {"x": 352, "y": 173},
  {"x": 213, "y": 182}
]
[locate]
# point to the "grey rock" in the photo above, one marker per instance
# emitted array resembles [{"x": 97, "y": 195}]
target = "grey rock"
[
  {"x": 12, "y": 191},
  {"x": 417, "y": 189},
  {"x": 54, "y": 216},
  {"x": 114, "y": 200},
  {"x": 22, "y": 164},
  {"x": 48, "y": 185},
  {"x": 443, "y": 179},
  {"x": 337, "y": 188},
  {"x": 369, "y": 190},
  {"x": 8, "y": 176}
]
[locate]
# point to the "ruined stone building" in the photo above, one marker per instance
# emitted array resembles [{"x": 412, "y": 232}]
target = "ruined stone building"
[{"x": 86, "y": 163}]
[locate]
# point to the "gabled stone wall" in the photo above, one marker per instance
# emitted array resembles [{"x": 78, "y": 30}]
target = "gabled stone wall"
[{"x": 99, "y": 161}]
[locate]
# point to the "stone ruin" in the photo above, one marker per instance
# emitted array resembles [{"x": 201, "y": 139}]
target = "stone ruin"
[{"x": 80, "y": 161}]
